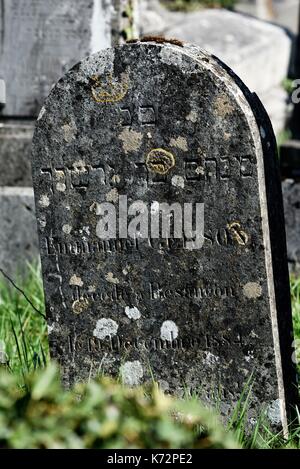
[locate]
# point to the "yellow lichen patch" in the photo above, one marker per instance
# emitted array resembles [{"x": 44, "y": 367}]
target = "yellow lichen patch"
[
  {"x": 131, "y": 140},
  {"x": 239, "y": 235},
  {"x": 80, "y": 305},
  {"x": 112, "y": 195},
  {"x": 116, "y": 179},
  {"x": 179, "y": 142},
  {"x": 223, "y": 106},
  {"x": 69, "y": 131},
  {"x": 111, "y": 279},
  {"x": 160, "y": 161},
  {"x": 75, "y": 280},
  {"x": 109, "y": 89}
]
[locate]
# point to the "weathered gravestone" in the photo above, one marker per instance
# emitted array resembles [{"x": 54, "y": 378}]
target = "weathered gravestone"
[{"x": 164, "y": 123}]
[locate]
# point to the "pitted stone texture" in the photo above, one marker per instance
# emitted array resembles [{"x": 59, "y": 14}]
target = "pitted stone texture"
[
  {"x": 132, "y": 121},
  {"x": 15, "y": 150},
  {"x": 18, "y": 234}
]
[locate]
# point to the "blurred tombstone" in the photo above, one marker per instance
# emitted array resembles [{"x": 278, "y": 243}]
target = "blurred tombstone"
[
  {"x": 2, "y": 93},
  {"x": 39, "y": 41},
  {"x": 290, "y": 171}
]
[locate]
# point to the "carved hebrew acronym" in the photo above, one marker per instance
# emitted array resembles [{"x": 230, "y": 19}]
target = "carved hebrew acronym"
[{"x": 161, "y": 228}]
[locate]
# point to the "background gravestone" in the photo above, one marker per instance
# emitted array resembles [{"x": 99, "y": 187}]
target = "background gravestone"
[
  {"x": 39, "y": 41},
  {"x": 198, "y": 319}
]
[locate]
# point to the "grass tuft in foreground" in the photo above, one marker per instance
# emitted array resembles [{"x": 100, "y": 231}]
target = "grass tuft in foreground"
[
  {"x": 101, "y": 414},
  {"x": 23, "y": 332}
]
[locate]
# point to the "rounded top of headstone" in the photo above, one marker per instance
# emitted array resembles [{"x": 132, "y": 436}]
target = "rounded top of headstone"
[{"x": 123, "y": 87}]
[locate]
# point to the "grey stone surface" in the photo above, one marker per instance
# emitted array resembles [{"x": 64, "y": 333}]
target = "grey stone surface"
[
  {"x": 164, "y": 124},
  {"x": 258, "y": 52},
  {"x": 2, "y": 92},
  {"x": 40, "y": 40},
  {"x": 281, "y": 12},
  {"x": 15, "y": 150},
  {"x": 291, "y": 198},
  {"x": 18, "y": 234}
]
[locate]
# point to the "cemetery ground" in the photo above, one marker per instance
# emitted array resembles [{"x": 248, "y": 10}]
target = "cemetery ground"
[{"x": 35, "y": 412}]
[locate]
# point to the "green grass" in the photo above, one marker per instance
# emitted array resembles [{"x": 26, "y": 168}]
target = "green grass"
[
  {"x": 295, "y": 295},
  {"x": 24, "y": 349},
  {"x": 23, "y": 332},
  {"x": 192, "y": 5}
]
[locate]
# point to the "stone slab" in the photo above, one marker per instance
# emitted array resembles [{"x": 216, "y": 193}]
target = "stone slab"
[
  {"x": 40, "y": 40},
  {"x": 18, "y": 234},
  {"x": 15, "y": 151},
  {"x": 163, "y": 123},
  {"x": 291, "y": 198}
]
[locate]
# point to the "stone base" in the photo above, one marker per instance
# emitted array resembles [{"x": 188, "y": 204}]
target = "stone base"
[
  {"x": 18, "y": 234},
  {"x": 15, "y": 149}
]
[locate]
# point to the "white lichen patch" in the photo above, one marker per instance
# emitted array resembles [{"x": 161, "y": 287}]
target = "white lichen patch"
[
  {"x": 132, "y": 373},
  {"x": 42, "y": 221},
  {"x": 69, "y": 131},
  {"x": 79, "y": 306},
  {"x": 179, "y": 142},
  {"x": 105, "y": 327},
  {"x": 252, "y": 290},
  {"x": 126, "y": 269},
  {"x": 131, "y": 140},
  {"x": 42, "y": 112},
  {"x": 74, "y": 280},
  {"x": 111, "y": 279},
  {"x": 177, "y": 181},
  {"x": 192, "y": 116},
  {"x": 91, "y": 288},
  {"x": 210, "y": 359},
  {"x": 273, "y": 412},
  {"x": 67, "y": 229},
  {"x": 86, "y": 229},
  {"x": 61, "y": 187},
  {"x": 154, "y": 207},
  {"x": 132, "y": 312},
  {"x": 199, "y": 170},
  {"x": 168, "y": 331},
  {"x": 112, "y": 195},
  {"x": 51, "y": 328},
  {"x": 95, "y": 208},
  {"x": 249, "y": 356},
  {"x": 44, "y": 201},
  {"x": 79, "y": 166}
]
